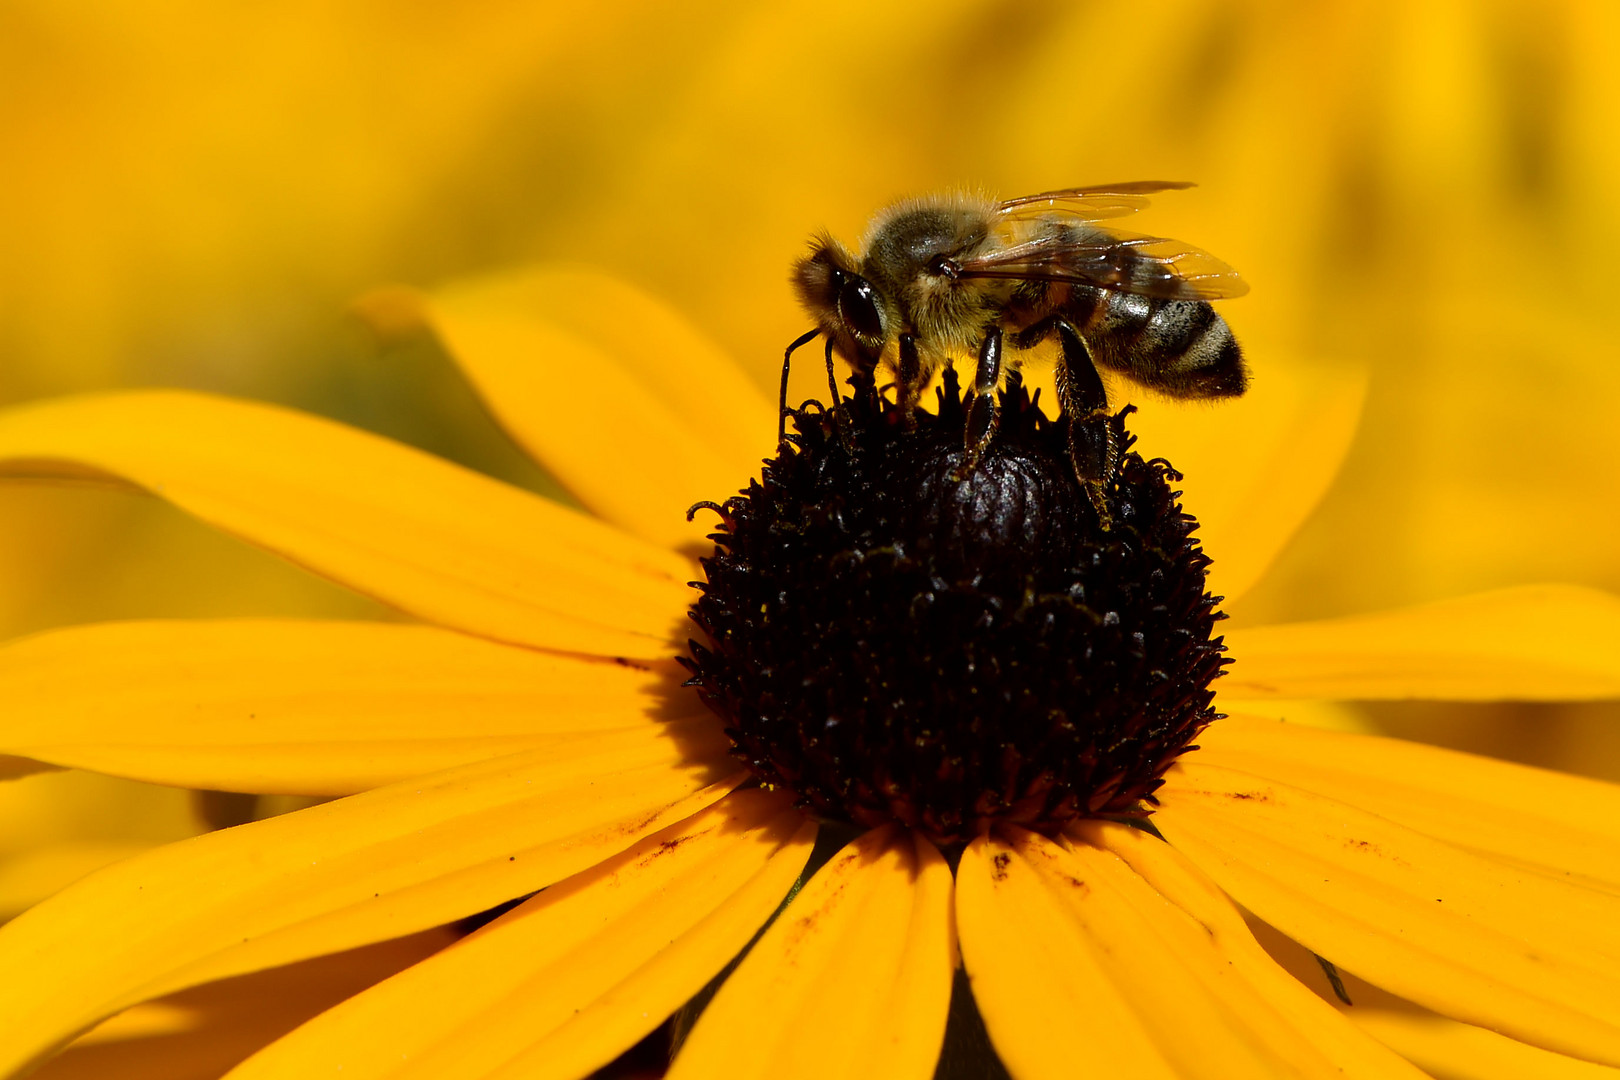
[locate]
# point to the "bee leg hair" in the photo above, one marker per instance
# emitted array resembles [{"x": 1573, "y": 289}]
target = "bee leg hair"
[
  {"x": 1036, "y": 332},
  {"x": 1092, "y": 446},
  {"x": 984, "y": 416},
  {"x": 909, "y": 376}
]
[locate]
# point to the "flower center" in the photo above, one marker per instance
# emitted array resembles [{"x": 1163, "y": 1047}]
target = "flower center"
[{"x": 895, "y": 643}]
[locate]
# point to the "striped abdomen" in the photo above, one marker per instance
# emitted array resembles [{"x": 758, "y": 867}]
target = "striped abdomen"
[{"x": 1180, "y": 347}]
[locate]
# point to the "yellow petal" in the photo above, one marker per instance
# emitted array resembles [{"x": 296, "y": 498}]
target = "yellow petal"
[
  {"x": 1445, "y": 1047},
  {"x": 852, "y": 979},
  {"x": 1136, "y": 968},
  {"x": 428, "y": 537},
  {"x": 1449, "y": 1049},
  {"x": 1466, "y": 936},
  {"x": 1255, "y": 467},
  {"x": 1566, "y": 825},
  {"x": 1532, "y": 643},
  {"x": 575, "y": 976},
  {"x": 1181, "y": 883},
  {"x": 321, "y": 708},
  {"x": 31, "y": 876},
  {"x": 1034, "y": 975},
  {"x": 58, "y": 826},
  {"x": 370, "y": 867},
  {"x": 624, "y": 401},
  {"x": 200, "y": 1033},
  {"x": 1308, "y": 712}
]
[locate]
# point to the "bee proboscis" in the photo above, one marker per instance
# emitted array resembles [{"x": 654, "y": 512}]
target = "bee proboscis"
[{"x": 943, "y": 278}]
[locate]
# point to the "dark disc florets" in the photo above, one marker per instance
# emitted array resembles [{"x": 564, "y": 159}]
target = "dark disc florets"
[{"x": 894, "y": 644}]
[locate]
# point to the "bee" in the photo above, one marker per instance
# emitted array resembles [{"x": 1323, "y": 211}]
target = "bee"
[{"x": 944, "y": 278}]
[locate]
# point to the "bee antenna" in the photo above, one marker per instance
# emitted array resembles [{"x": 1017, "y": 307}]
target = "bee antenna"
[{"x": 781, "y": 400}]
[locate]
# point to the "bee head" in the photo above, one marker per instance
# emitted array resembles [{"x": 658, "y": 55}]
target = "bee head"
[{"x": 853, "y": 314}]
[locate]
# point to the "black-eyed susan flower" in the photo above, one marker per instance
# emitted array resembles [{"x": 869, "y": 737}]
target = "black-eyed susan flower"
[{"x": 527, "y": 731}]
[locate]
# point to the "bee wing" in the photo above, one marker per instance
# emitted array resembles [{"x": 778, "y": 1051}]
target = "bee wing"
[
  {"x": 1107, "y": 259},
  {"x": 1092, "y": 203}
]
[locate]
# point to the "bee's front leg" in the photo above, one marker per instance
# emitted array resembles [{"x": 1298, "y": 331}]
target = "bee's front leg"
[
  {"x": 781, "y": 396},
  {"x": 984, "y": 415},
  {"x": 1092, "y": 446}
]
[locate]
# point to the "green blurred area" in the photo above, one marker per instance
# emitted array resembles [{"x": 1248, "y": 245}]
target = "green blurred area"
[{"x": 195, "y": 193}]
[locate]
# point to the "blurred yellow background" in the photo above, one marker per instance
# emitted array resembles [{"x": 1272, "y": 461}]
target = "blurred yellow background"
[{"x": 194, "y": 192}]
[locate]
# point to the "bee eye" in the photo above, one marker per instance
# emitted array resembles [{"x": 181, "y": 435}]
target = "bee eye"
[{"x": 857, "y": 303}]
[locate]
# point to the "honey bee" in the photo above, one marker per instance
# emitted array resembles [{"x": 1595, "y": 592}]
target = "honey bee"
[{"x": 944, "y": 278}]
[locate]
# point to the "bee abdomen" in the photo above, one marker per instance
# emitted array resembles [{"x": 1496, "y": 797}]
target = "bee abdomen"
[{"x": 1180, "y": 347}]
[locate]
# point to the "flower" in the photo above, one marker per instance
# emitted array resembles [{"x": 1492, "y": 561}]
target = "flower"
[{"x": 526, "y": 731}]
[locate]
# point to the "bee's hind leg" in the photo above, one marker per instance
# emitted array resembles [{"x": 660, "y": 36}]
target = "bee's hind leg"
[
  {"x": 1092, "y": 446},
  {"x": 984, "y": 414}
]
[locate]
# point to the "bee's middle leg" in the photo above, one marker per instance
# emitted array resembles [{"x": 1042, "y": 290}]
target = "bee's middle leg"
[
  {"x": 1092, "y": 446},
  {"x": 984, "y": 415},
  {"x": 841, "y": 422},
  {"x": 909, "y": 377}
]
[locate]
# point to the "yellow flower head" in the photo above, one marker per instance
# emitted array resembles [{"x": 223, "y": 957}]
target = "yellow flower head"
[{"x": 524, "y": 733}]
